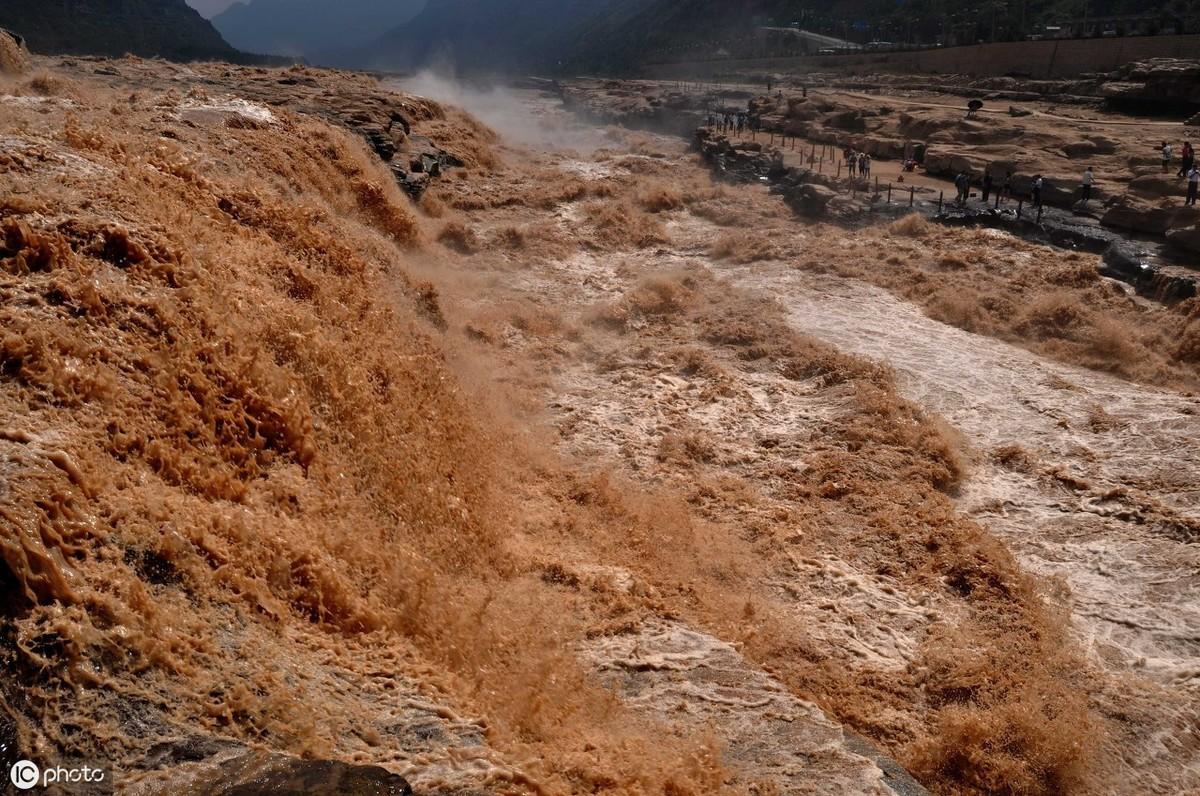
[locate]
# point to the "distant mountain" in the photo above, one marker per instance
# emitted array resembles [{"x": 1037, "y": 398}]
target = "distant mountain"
[
  {"x": 615, "y": 36},
  {"x": 491, "y": 35},
  {"x": 634, "y": 32},
  {"x": 311, "y": 28},
  {"x": 166, "y": 28}
]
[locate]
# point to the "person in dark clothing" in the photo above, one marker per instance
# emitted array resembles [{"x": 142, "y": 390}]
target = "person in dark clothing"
[
  {"x": 987, "y": 185},
  {"x": 1187, "y": 159},
  {"x": 1037, "y": 190},
  {"x": 1006, "y": 187},
  {"x": 963, "y": 183},
  {"x": 1193, "y": 178}
]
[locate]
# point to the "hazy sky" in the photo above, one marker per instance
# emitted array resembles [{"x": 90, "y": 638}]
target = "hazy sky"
[{"x": 210, "y": 8}]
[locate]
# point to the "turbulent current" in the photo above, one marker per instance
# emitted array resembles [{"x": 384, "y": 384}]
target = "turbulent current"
[{"x": 569, "y": 471}]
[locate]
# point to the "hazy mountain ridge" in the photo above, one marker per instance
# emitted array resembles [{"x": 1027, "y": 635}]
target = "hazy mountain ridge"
[
  {"x": 637, "y": 31},
  {"x": 167, "y": 28},
  {"x": 311, "y": 28},
  {"x": 492, "y": 35},
  {"x": 620, "y": 35}
]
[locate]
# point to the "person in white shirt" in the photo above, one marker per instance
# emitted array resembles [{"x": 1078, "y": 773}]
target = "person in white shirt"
[
  {"x": 1193, "y": 178},
  {"x": 1085, "y": 190},
  {"x": 1166, "y": 156}
]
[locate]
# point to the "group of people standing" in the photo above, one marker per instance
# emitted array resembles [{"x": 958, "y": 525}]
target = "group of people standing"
[
  {"x": 1003, "y": 190},
  {"x": 730, "y": 122},
  {"x": 857, "y": 163},
  {"x": 1187, "y": 168}
]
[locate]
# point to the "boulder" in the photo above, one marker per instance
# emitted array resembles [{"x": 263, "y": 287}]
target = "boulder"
[
  {"x": 221, "y": 768},
  {"x": 852, "y": 120},
  {"x": 1128, "y": 214},
  {"x": 1157, "y": 185},
  {"x": 1090, "y": 146},
  {"x": 14, "y": 57},
  {"x": 809, "y": 199},
  {"x": 942, "y": 163},
  {"x": 1163, "y": 82},
  {"x": 1185, "y": 237},
  {"x": 1079, "y": 150},
  {"x": 287, "y": 776}
]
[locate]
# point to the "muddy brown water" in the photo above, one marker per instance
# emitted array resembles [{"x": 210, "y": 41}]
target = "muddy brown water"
[{"x": 1105, "y": 517}]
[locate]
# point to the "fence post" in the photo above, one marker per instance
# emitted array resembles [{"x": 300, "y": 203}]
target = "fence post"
[
  {"x": 941, "y": 196},
  {"x": 839, "y": 170},
  {"x": 911, "y": 189},
  {"x": 1020, "y": 204},
  {"x": 997, "y": 200},
  {"x": 889, "y": 193}
]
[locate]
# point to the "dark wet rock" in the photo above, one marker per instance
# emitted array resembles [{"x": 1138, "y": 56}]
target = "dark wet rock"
[
  {"x": 895, "y": 776},
  {"x": 192, "y": 749},
  {"x": 1125, "y": 262},
  {"x": 421, "y": 162},
  {"x": 222, "y": 767},
  {"x": 411, "y": 182},
  {"x": 1186, "y": 237},
  {"x": 380, "y": 141},
  {"x": 10, "y": 743},
  {"x": 745, "y": 161},
  {"x": 809, "y": 199},
  {"x": 265, "y": 774}
]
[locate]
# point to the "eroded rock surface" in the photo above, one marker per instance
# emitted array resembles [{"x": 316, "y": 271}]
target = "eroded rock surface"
[{"x": 698, "y": 683}]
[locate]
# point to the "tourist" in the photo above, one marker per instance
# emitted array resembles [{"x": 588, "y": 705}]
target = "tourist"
[
  {"x": 1006, "y": 187},
  {"x": 852, "y": 163},
  {"x": 1037, "y": 190},
  {"x": 963, "y": 183},
  {"x": 1166, "y": 156},
  {"x": 1085, "y": 190},
  {"x": 1193, "y": 178},
  {"x": 1187, "y": 157},
  {"x": 987, "y": 185},
  {"x": 864, "y": 165}
]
